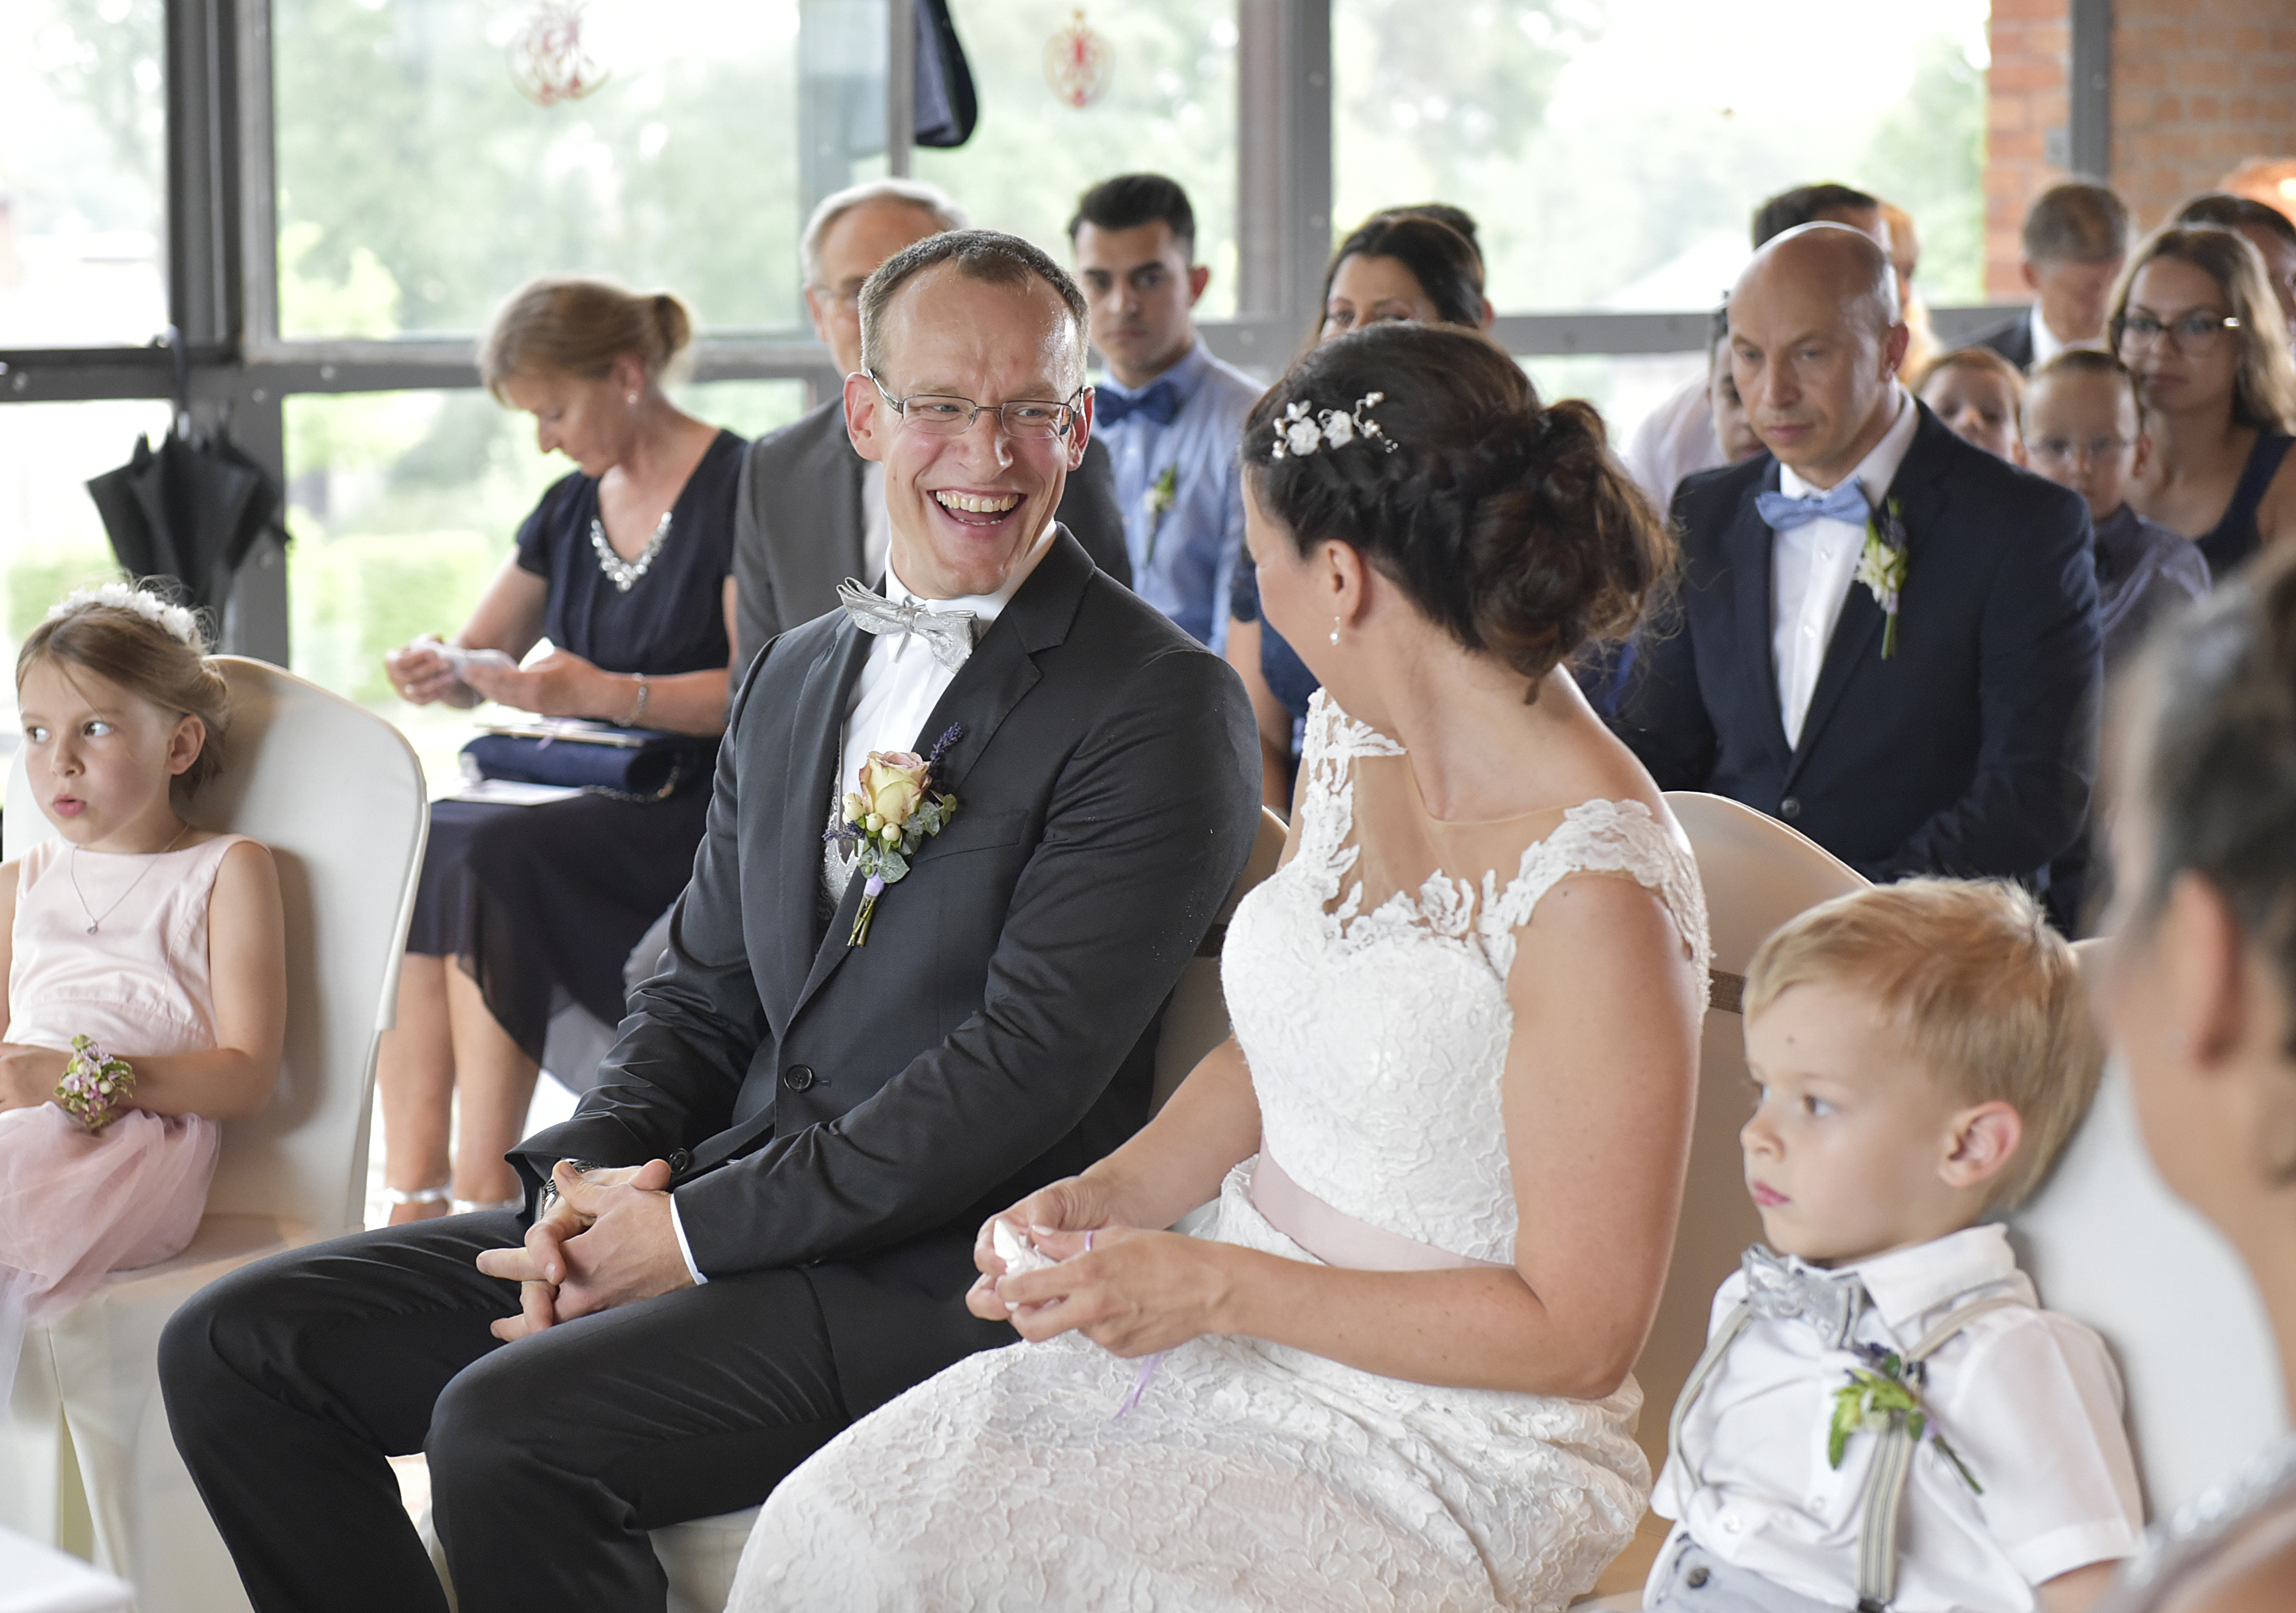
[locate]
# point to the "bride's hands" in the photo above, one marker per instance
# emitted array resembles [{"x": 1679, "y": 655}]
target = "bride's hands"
[
  {"x": 1074, "y": 1204},
  {"x": 1131, "y": 1292}
]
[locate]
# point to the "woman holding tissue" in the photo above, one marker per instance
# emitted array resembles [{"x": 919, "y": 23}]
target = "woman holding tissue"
[{"x": 626, "y": 567}]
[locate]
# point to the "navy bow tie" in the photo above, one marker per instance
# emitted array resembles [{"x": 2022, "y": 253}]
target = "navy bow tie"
[
  {"x": 1784, "y": 512},
  {"x": 1159, "y": 403}
]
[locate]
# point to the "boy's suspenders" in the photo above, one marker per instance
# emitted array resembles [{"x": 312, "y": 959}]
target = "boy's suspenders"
[{"x": 1893, "y": 1462}]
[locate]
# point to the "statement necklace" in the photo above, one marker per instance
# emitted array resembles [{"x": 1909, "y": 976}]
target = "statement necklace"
[
  {"x": 622, "y": 573},
  {"x": 96, "y": 919}
]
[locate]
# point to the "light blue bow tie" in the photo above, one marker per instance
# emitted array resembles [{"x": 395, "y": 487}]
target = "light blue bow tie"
[{"x": 1784, "y": 512}]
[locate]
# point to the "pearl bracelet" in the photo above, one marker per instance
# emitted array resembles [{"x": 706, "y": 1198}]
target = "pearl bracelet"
[{"x": 95, "y": 1086}]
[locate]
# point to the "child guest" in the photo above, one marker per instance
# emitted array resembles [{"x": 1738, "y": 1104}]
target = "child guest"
[
  {"x": 1975, "y": 391},
  {"x": 2083, "y": 428},
  {"x": 1885, "y": 1416},
  {"x": 145, "y": 959}
]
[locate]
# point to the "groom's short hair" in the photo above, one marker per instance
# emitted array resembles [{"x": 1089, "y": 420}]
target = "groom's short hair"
[{"x": 990, "y": 256}]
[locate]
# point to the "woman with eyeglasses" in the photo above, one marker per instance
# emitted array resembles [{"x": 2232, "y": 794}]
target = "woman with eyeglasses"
[{"x": 2196, "y": 321}]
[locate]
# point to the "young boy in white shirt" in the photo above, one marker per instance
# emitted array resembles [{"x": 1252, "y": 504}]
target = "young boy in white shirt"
[{"x": 1885, "y": 1416}]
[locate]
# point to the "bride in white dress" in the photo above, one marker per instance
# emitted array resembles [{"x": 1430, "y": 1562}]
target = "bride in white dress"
[{"x": 1395, "y": 1374}]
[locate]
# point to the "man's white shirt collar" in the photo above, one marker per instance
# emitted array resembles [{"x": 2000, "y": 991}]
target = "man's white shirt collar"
[
  {"x": 1879, "y": 468},
  {"x": 985, "y": 607}
]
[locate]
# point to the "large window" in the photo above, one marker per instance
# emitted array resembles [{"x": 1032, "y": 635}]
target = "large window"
[
  {"x": 1163, "y": 80},
  {"x": 83, "y": 166},
  {"x": 1614, "y": 150},
  {"x": 421, "y": 176}
]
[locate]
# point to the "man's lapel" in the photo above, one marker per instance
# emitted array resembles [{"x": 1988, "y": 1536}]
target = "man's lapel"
[
  {"x": 817, "y": 729},
  {"x": 1001, "y": 670},
  {"x": 1856, "y": 647},
  {"x": 1749, "y": 548}
]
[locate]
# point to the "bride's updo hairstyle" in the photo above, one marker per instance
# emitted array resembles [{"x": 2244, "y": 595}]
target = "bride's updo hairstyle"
[
  {"x": 1504, "y": 519},
  {"x": 2213, "y": 755}
]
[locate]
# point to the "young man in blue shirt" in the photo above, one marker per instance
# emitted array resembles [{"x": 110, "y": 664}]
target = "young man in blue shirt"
[{"x": 1170, "y": 413}]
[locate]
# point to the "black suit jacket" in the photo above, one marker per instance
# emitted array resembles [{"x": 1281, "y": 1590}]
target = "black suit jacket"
[
  {"x": 1970, "y": 751},
  {"x": 2012, "y": 339},
  {"x": 797, "y": 520},
  {"x": 858, "y": 1111}
]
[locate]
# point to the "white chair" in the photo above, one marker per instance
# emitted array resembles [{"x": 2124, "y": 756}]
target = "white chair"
[
  {"x": 338, "y": 796},
  {"x": 1757, "y": 874},
  {"x": 700, "y": 1556},
  {"x": 2105, "y": 1241}
]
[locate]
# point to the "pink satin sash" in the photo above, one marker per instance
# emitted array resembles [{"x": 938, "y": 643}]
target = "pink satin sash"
[{"x": 1338, "y": 1239}]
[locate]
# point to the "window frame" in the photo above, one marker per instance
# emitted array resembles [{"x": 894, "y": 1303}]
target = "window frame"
[{"x": 222, "y": 255}]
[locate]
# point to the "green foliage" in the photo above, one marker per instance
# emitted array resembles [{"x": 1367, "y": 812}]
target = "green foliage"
[
  {"x": 355, "y": 597},
  {"x": 1928, "y": 156},
  {"x": 36, "y": 581},
  {"x": 403, "y": 147},
  {"x": 105, "y": 56},
  {"x": 1168, "y": 103}
]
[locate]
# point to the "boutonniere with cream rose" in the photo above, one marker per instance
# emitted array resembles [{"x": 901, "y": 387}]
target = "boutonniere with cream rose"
[
  {"x": 895, "y": 811},
  {"x": 1882, "y": 566}
]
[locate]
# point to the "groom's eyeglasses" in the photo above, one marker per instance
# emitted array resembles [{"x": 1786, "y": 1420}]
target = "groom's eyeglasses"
[{"x": 939, "y": 416}]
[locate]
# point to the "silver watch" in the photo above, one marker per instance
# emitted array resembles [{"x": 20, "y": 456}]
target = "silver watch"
[{"x": 547, "y": 1198}]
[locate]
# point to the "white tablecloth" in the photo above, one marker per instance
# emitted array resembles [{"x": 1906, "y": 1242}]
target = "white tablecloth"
[{"x": 35, "y": 1580}]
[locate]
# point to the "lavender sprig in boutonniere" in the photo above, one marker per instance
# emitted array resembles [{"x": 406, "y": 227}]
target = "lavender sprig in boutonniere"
[
  {"x": 895, "y": 811},
  {"x": 1882, "y": 568}
]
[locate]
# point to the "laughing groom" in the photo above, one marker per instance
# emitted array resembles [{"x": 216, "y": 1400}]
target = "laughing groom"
[
  {"x": 1885, "y": 638},
  {"x": 759, "y": 1225}
]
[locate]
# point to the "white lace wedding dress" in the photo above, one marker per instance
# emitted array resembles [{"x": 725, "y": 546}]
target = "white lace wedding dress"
[{"x": 1252, "y": 1475}]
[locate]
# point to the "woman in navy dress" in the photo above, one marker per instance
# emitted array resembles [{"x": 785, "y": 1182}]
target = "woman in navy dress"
[
  {"x": 2197, "y": 322},
  {"x": 626, "y": 567}
]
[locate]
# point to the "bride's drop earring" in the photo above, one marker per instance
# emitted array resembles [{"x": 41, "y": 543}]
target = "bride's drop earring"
[{"x": 1335, "y": 629}]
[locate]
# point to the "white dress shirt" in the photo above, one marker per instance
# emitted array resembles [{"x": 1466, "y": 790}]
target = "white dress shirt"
[
  {"x": 1674, "y": 440},
  {"x": 1812, "y": 565},
  {"x": 899, "y": 685},
  {"x": 2029, "y": 1399}
]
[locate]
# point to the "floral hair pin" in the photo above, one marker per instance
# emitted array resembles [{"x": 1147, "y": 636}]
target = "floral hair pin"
[
  {"x": 895, "y": 811},
  {"x": 1302, "y": 431},
  {"x": 175, "y": 621}
]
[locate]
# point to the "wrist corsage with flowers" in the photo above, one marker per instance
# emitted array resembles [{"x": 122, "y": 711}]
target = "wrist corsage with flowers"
[
  {"x": 96, "y": 1086},
  {"x": 895, "y": 811}
]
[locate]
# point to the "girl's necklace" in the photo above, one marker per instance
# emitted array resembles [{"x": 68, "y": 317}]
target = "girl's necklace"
[{"x": 94, "y": 919}]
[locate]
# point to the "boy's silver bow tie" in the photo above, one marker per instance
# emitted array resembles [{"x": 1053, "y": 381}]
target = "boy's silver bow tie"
[
  {"x": 1830, "y": 1302},
  {"x": 947, "y": 634}
]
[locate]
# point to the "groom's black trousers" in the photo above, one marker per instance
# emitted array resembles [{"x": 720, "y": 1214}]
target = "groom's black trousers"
[{"x": 290, "y": 1381}]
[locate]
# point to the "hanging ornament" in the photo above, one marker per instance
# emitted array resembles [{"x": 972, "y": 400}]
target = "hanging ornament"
[
  {"x": 1075, "y": 62},
  {"x": 547, "y": 62}
]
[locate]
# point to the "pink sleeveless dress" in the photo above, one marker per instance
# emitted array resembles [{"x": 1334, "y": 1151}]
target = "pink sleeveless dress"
[{"x": 74, "y": 1206}]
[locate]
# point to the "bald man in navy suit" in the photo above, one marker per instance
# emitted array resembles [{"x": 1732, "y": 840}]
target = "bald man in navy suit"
[{"x": 1946, "y": 727}]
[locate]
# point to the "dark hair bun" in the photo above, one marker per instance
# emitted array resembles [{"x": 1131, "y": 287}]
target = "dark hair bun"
[{"x": 1507, "y": 521}]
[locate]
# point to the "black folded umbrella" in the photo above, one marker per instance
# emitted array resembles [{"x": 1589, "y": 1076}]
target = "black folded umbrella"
[
  {"x": 187, "y": 510},
  {"x": 947, "y": 108}
]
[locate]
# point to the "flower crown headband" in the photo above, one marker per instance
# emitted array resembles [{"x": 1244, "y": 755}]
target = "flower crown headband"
[
  {"x": 1302, "y": 431},
  {"x": 175, "y": 621}
]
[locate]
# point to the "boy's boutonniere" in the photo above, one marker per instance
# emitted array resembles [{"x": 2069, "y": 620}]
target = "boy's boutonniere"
[
  {"x": 1882, "y": 566},
  {"x": 895, "y": 811},
  {"x": 1885, "y": 1395}
]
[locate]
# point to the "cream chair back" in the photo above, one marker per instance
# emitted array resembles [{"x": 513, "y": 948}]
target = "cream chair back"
[
  {"x": 338, "y": 797},
  {"x": 2105, "y": 1241},
  {"x": 1195, "y": 1020},
  {"x": 1757, "y": 874}
]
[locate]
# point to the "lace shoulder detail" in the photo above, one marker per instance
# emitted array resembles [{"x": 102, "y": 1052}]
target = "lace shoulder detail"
[
  {"x": 1599, "y": 837},
  {"x": 1327, "y": 804}
]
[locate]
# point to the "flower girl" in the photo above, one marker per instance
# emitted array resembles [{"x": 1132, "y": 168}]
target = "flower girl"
[{"x": 144, "y": 957}]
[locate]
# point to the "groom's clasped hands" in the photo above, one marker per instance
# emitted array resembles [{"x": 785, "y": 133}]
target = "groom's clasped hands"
[
  {"x": 1131, "y": 1291},
  {"x": 606, "y": 1241}
]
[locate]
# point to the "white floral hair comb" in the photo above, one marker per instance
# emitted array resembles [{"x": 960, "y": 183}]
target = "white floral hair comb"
[
  {"x": 1302, "y": 431},
  {"x": 174, "y": 620}
]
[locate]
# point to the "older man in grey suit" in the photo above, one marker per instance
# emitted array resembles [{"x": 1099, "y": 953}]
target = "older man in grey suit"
[{"x": 811, "y": 512}]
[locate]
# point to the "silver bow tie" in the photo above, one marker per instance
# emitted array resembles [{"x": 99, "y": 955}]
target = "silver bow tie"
[
  {"x": 947, "y": 634},
  {"x": 1830, "y": 1302}
]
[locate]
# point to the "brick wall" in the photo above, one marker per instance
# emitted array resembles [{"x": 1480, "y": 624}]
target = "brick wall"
[
  {"x": 2197, "y": 85},
  {"x": 2026, "y": 111}
]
